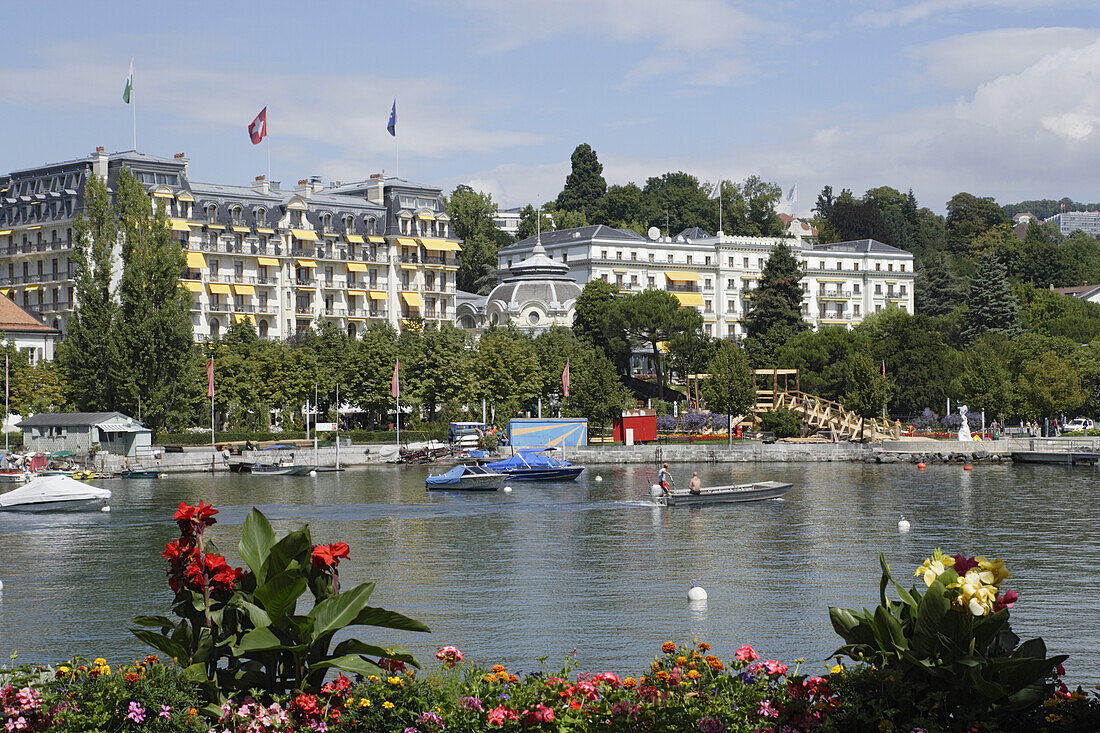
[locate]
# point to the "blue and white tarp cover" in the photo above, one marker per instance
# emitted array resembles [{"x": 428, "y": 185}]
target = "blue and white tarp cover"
[{"x": 527, "y": 459}]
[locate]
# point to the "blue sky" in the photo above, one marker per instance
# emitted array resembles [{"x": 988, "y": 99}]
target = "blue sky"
[{"x": 997, "y": 97}]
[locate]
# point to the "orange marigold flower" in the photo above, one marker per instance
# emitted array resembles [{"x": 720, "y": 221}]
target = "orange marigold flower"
[
  {"x": 497, "y": 668},
  {"x": 691, "y": 665},
  {"x": 668, "y": 647},
  {"x": 704, "y": 647},
  {"x": 715, "y": 664},
  {"x": 490, "y": 678},
  {"x": 630, "y": 683},
  {"x": 643, "y": 681},
  {"x": 192, "y": 712},
  {"x": 152, "y": 659},
  {"x": 502, "y": 677},
  {"x": 681, "y": 660},
  {"x": 132, "y": 677},
  {"x": 661, "y": 675},
  {"x": 693, "y": 674}
]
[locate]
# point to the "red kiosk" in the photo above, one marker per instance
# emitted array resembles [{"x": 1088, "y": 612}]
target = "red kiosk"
[{"x": 641, "y": 423}]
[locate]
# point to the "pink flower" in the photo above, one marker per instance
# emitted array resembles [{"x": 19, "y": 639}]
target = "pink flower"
[
  {"x": 746, "y": 654},
  {"x": 449, "y": 655},
  {"x": 540, "y": 714},
  {"x": 137, "y": 712},
  {"x": 499, "y": 714},
  {"x": 608, "y": 677},
  {"x": 765, "y": 710},
  {"x": 1005, "y": 600},
  {"x": 165, "y": 712},
  {"x": 775, "y": 668}
]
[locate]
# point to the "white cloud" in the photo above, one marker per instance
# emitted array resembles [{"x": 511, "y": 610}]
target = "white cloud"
[
  {"x": 960, "y": 63},
  {"x": 911, "y": 12},
  {"x": 698, "y": 39}
]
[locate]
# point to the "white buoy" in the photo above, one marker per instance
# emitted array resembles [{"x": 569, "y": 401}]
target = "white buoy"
[
  {"x": 507, "y": 489},
  {"x": 655, "y": 490},
  {"x": 105, "y": 509},
  {"x": 599, "y": 477},
  {"x": 312, "y": 473},
  {"x": 695, "y": 593},
  {"x": 903, "y": 525}
]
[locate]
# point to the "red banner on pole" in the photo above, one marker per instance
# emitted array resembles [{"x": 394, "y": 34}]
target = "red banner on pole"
[
  {"x": 210, "y": 378},
  {"x": 395, "y": 384},
  {"x": 565, "y": 379}
]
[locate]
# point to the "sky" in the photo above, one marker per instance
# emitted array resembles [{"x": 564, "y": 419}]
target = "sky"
[{"x": 998, "y": 98}]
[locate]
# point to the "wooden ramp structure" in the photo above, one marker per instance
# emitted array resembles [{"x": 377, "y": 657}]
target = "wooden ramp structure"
[
  {"x": 819, "y": 412},
  {"x": 774, "y": 392}
]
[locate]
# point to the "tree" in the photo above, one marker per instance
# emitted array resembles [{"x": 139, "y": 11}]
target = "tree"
[
  {"x": 868, "y": 390},
  {"x": 32, "y": 389},
  {"x": 730, "y": 388},
  {"x": 939, "y": 290},
  {"x": 762, "y": 197},
  {"x": 985, "y": 381},
  {"x": 585, "y": 185},
  {"x": 824, "y": 205},
  {"x": 654, "y": 316},
  {"x": 776, "y": 311},
  {"x": 529, "y": 223},
  {"x": 1051, "y": 385},
  {"x": 471, "y": 215},
  {"x": 506, "y": 370},
  {"x": 554, "y": 347},
  {"x": 568, "y": 219},
  {"x": 598, "y": 322},
  {"x": 624, "y": 206},
  {"x": 85, "y": 355},
  {"x": 152, "y": 335},
  {"x": 442, "y": 367},
  {"x": 968, "y": 216},
  {"x": 685, "y": 202},
  {"x": 917, "y": 358},
  {"x": 991, "y": 306},
  {"x": 595, "y": 391},
  {"x": 370, "y": 369},
  {"x": 852, "y": 219}
]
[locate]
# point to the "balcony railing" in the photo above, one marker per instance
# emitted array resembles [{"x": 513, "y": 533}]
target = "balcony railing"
[
  {"x": 684, "y": 288},
  {"x": 834, "y": 293}
]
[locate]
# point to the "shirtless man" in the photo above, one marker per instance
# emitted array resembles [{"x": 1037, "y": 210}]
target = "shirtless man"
[{"x": 695, "y": 484}]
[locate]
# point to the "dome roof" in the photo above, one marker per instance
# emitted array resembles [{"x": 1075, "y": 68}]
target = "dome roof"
[{"x": 537, "y": 278}]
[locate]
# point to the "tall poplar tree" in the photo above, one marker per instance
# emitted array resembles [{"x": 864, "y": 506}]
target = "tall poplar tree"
[
  {"x": 85, "y": 356},
  {"x": 152, "y": 336}
]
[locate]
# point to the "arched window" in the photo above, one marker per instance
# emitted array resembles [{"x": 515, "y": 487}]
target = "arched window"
[
  {"x": 370, "y": 225},
  {"x": 211, "y": 212},
  {"x": 215, "y": 328},
  {"x": 326, "y": 222},
  {"x": 261, "y": 216},
  {"x": 351, "y": 331},
  {"x": 235, "y": 215},
  {"x": 263, "y": 328}
]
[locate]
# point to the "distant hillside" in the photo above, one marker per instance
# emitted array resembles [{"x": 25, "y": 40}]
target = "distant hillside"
[{"x": 1046, "y": 208}]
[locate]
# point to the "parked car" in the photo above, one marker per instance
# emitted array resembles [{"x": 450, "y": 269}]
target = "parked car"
[{"x": 1078, "y": 423}]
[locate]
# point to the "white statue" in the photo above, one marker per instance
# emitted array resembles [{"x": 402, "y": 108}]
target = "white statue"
[{"x": 964, "y": 428}]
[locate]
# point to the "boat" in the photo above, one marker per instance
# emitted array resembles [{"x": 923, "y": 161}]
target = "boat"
[
  {"x": 466, "y": 478},
  {"x": 55, "y": 493},
  {"x": 732, "y": 494},
  {"x": 140, "y": 473},
  {"x": 282, "y": 469},
  {"x": 14, "y": 477},
  {"x": 536, "y": 465},
  {"x": 1065, "y": 457}
]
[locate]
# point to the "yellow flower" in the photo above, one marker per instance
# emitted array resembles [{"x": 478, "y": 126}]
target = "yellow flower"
[
  {"x": 996, "y": 568},
  {"x": 99, "y": 662},
  {"x": 975, "y": 594},
  {"x": 397, "y": 681},
  {"x": 489, "y": 678},
  {"x": 364, "y": 702},
  {"x": 497, "y": 668},
  {"x": 681, "y": 660},
  {"x": 374, "y": 678},
  {"x": 388, "y": 705},
  {"x": 836, "y": 669},
  {"x": 1053, "y": 718},
  {"x": 693, "y": 674},
  {"x": 63, "y": 669},
  {"x": 934, "y": 566}
]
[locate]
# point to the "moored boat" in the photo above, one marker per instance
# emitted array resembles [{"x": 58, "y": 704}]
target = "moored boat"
[
  {"x": 731, "y": 494},
  {"x": 536, "y": 465},
  {"x": 54, "y": 493},
  {"x": 466, "y": 478},
  {"x": 140, "y": 473},
  {"x": 282, "y": 469}
]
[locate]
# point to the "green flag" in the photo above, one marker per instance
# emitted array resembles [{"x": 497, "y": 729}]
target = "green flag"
[{"x": 129, "y": 84}]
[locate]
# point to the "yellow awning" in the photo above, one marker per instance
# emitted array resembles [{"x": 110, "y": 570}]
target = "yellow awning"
[
  {"x": 220, "y": 288},
  {"x": 33, "y": 228},
  {"x": 425, "y": 216},
  {"x": 440, "y": 245},
  {"x": 5, "y": 291},
  {"x": 195, "y": 260},
  {"x": 196, "y": 224},
  {"x": 214, "y": 227},
  {"x": 413, "y": 300},
  {"x": 306, "y": 263},
  {"x": 357, "y": 267},
  {"x": 405, "y": 242},
  {"x": 178, "y": 225},
  {"x": 263, "y": 230},
  {"x": 32, "y": 287},
  {"x": 360, "y": 293},
  {"x": 238, "y": 317},
  {"x": 376, "y": 240},
  {"x": 692, "y": 299},
  {"x": 378, "y": 295},
  {"x": 241, "y": 230},
  {"x": 355, "y": 238},
  {"x": 683, "y": 276},
  {"x": 161, "y": 195},
  {"x": 405, "y": 266},
  {"x": 184, "y": 196},
  {"x": 194, "y": 287},
  {"x": 5, "y": 232},
  {"x": 244, "y": 289},
  {"x": 830, "y": 280},
  {"x": 354, "y": 318},
  {"x": 304, "y": 287},
  {"x": 269, "y": 262},
  {"x": 304, "y": 234}
]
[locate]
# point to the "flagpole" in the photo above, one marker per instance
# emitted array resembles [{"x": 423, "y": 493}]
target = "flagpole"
[
  {"x": 213, "y": 442},
  {"x": 398, "y": 421},
  {"x": 6, "y": 381},
  {"x": 133, "y": 110}
]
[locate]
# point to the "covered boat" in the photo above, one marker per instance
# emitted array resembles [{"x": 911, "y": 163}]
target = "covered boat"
[
  {"x": 54, "y": 493},
  {"x": 535, "y": 465},
  {"x": 720, "y": 494},
  {"x": 466, "y": 478}
]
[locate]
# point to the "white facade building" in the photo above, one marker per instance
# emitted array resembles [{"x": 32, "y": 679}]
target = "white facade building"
[{"x": 843, "y": 282}]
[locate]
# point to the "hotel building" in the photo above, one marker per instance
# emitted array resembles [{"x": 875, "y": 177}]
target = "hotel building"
[
  {"x": 380, "y": 250},
  {"x": 842, "y": 282}
]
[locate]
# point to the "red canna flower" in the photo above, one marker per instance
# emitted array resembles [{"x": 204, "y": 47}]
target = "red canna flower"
[
  {"x": 192, "y": 519},
  {"x": 327, "y": 557}
]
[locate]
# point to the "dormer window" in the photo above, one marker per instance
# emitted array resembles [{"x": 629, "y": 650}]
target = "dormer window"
[
  {"x": 261, "y": 217},
  {"x": 370, "y": 225},
  {"x": 349, "y": 224},
  {"x": 295, "y": 218},
  {"x": 326, "y": 222},
  {"x": 235, "y": 215},
  {"x": 211, "y": 212}
]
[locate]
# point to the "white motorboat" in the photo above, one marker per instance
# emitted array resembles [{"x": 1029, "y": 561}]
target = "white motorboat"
[
  {"x": 54, "y": 493},
  {"x": 720, "y": 494}
]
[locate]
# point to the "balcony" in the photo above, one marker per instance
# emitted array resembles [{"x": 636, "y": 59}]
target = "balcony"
[
  {"x": 834, "y": 294},
  {"x": 303, "y": 310},
  {"x": 308, "y": 282},
  {"x": 439, "y": 260},
  {"x": 265, "y": 308},
  {"x": 676, "y": 287}
]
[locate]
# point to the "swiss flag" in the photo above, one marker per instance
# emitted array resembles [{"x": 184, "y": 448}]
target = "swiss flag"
[{"x": 258, "y": 129}]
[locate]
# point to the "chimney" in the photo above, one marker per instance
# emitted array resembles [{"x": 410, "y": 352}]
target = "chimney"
[
  {"x": 304, "y": 189},
  {"x": 274, "y": 185},
  {"x": 179, "y": 156},
  {"x": 315, "y": 184},
  {"x": 99, "y": 164},
  {"x": 260, "y": 185}
]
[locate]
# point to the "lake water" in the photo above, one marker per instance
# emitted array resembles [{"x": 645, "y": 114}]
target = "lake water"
[{"x": 587, "y": 565}]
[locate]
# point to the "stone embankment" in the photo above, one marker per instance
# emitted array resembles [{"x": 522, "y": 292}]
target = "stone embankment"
[{"x": 199, "y": 458}]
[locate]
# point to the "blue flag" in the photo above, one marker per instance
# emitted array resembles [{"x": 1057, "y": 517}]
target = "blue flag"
[{"x": 392, "y": 126}]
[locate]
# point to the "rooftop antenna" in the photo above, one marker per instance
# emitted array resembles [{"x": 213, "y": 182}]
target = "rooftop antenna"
[{"x": 666, "y": 220}]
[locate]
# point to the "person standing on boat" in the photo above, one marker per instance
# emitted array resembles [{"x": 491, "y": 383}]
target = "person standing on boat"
[
  {"x": 695, "y": 485},
  {"x": 664, "y": 478}
]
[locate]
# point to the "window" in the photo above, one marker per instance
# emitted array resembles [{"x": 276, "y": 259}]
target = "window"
[
  {"x": 651, "y": 257},
  {"x": 706, "y": 283},
  {"x": 878, "y": 309},
  {"x": 878, "y": 266},
  {"x": 890, "y": 267},
  {"x": 295, "y": 218},
  {"x": 261, "y": 216},
  {"x": 731, "y": 262},
  {"x": 603, "y": 254},
  {"x": 670, "y": 259},
  {"x": 213, "y": 269},
  {"x": 235, "y": 215},
  {"x": 238, "y": 270},
  {"x": 878, "y": 289},
  {"x": 634, "y": 256},
  {"x": 326, "y": 222},
  {"x": 855, "y": 288},
  {"x": 731, "y": 330},
  {"x": 211, "y": 212},
  {"x": 689, "y": 258},
  {"x": 855, "y": 266},
  {"x": 901, "y": 290},
  {"x": 649, "y": 281},
  {"x": 604, "y": 277},
  {"x": 903, "y": 267},
  {"x": 564, "y": 256},
  {"x": 746, "y": 262},
  {"x": 633, "y": 280},
  {"x": 759, "y": 261},
  {"x": 731, "y": 306},
  {"x": 215, "y": 327},
  {"x": 707, "y": 307},
  {"x": 619, "y": 255},
  {"x": 707, "y": 262},
  {"x": 838, "y": 266},
  {"x": 855, "y": 310},
  {"x": 707, "y": 328},
  {"x": 821, "y": 265}
]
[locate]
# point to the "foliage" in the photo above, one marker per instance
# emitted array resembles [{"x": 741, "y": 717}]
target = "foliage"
[
  {"x": 597, "y": 321},
  {"x": 471, "y": 215},
  {"x": 595, "y": 390},
  {"x": 654, "y": 316},
  {"x": 241, "y": 630},
  {"x": 782, "y": 423},
  {"x": 776, "y": 311},
  {"x": 953, "y": 643},
  {"x": 585, "y": 185},
  {"x": 32, "y": 389},
  {"x": 991, "y": 306},
  {"x": 730, "y": 389},
  {"x": 969, "y": 216},
  {"x": 506, "y": 370},
  {"x": 868, "y": 389}
]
